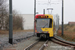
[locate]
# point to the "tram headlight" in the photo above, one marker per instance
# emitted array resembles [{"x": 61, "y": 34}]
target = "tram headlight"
[{"x": 35, "y": 30}]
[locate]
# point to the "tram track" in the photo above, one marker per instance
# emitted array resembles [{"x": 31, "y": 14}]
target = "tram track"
[
  {"x": 39, "y": 45},
  {"x": 63, "y": 43}
]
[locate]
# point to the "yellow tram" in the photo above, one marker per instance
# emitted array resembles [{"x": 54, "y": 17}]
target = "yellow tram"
[{"x": 44, "y": 25}]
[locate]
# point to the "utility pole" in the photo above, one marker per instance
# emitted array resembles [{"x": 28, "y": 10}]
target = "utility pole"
[
  {"x": 43, "y": 11},
  {"x": 34, "y": 14},
  {"x": 10, "y": 23},
  {"x": 62, "y": 18}
]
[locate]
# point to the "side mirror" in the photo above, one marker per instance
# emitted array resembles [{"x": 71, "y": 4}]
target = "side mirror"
[{"x": 35, "y": 20}]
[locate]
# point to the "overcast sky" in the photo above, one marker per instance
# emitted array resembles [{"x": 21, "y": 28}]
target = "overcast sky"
[{"x": 27, "y": 7}]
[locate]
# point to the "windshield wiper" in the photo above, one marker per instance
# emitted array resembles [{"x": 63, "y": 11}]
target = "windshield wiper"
[{"x": 45, "y": 25}]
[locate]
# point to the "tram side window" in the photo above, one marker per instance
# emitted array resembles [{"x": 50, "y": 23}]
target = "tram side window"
[{"x": 50, "y": 24}]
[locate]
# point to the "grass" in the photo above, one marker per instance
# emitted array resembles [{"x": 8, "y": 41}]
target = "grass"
[
  {"x": 69, "y": 32},
  {"x": 70, "y": 36}
]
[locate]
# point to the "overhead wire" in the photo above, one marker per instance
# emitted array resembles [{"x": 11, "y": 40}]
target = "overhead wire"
[{"x": 47, "y": 2}]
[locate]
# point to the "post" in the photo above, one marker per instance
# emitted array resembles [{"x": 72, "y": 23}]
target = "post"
[
  {"x": 43, "y": 11},
  {"x": 62, "y": 19},
  {"x": 37, "y": 12},
  {"x": 34, "y": 13},
  {"x": 10, "y": 23}
]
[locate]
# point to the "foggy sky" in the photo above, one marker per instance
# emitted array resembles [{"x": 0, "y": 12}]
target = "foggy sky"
[{"x": 27, "y": 7}]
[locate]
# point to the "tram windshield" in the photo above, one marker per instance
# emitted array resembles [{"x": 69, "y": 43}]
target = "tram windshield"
[{"x": 43, "y": 23}]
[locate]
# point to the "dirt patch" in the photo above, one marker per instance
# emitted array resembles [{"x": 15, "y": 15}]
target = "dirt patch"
[
  {"x": 23, "y": 30},
  {"x": 7, "y": 32},
  {"x": 4, "y": 32}
]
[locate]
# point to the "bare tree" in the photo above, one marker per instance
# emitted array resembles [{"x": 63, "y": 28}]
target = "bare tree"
[
  {"x": 17, "y": 21},
  {"x": 3, "y": 13},
  {"x": 4, "y": 17}
]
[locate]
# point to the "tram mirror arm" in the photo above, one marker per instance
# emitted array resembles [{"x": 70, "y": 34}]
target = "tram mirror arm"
[{"x": 35, "y": 20}]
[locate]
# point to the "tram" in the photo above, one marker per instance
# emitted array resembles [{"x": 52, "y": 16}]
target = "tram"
[{"x": 44, "y": 25}]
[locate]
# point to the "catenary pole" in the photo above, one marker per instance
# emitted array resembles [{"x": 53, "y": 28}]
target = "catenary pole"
[
  {"x": 34, "y": 13},
  {"x": 10, "y": 23},
  {"x": 43, "y": 11},
  {"x": 62, "y": 19}
]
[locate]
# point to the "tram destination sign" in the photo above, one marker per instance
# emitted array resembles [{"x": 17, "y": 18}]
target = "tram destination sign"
[{"x": 42, "y": 16}]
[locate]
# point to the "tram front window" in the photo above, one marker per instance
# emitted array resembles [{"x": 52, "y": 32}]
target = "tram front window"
[{"x": 43, "y": 23}]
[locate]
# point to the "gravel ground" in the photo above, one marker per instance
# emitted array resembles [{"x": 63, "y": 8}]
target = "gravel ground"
[
  {"x": 22, "y": 45},
  {"x": 17, "y": 37},
  {"x": 37, "y": 46},
  {"x": 54, "y": 46}
]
